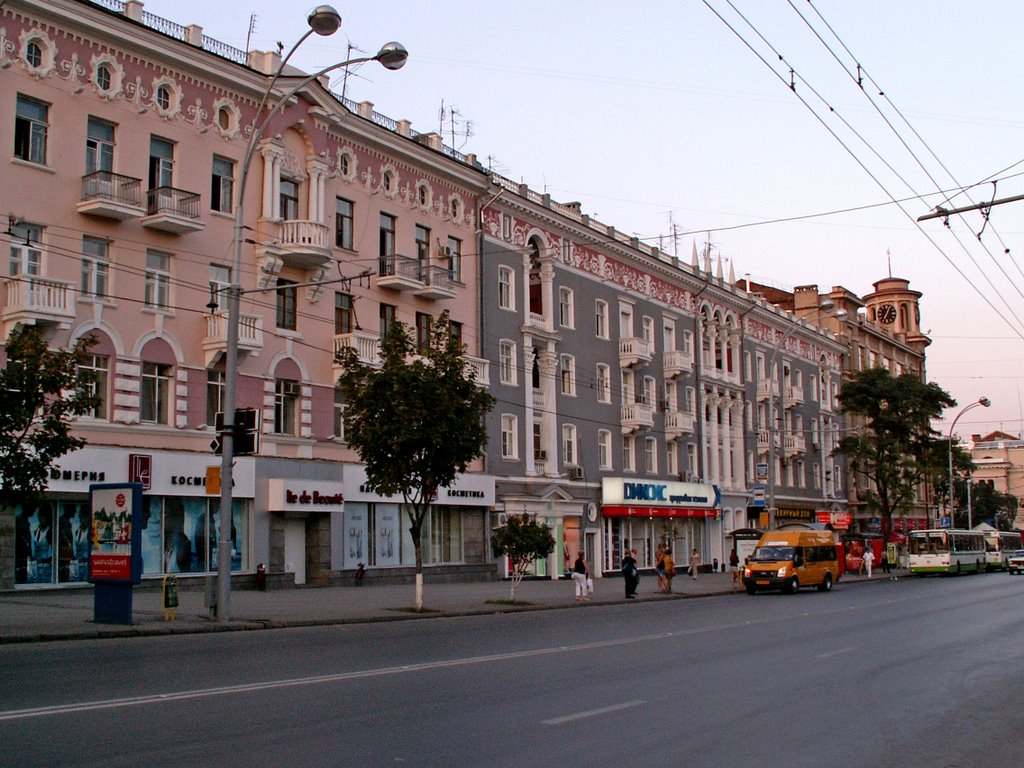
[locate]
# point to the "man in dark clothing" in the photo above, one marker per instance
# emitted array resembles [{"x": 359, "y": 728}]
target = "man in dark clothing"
[{"x": 630, "y": 574}]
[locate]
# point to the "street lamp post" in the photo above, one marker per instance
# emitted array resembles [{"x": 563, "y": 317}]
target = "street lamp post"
[
  {"x": 982, "y": 401},
  {"x": 827, "y": 306},
  {"x": 323, "y": 20}
]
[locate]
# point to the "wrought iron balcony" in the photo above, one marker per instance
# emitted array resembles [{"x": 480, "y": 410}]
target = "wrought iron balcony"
[
  {"x": 437, "y": 283},
  {"x": 172, "y": 210},
  {"x": 111, "y": 196},
  {"x": 400, "y": 273}
]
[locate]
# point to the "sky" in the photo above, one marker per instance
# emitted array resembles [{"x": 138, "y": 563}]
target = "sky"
[{"x": 802, "y": 140}]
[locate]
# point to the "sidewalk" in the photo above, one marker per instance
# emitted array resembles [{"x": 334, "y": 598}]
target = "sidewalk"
[{"x": 67, "y": 614}]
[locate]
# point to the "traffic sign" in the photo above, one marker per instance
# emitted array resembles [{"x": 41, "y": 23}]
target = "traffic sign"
[{"x": 761, "y": 472}]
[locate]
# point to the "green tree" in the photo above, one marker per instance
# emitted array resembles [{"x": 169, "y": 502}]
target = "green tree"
[
  {"x": 987, "y": 505},
  {"x": 895, "y": 449},
  {"x": 523, "y": 539},
  {"x": 417, "y": 420},
  {"x": 41, "y": 394}
]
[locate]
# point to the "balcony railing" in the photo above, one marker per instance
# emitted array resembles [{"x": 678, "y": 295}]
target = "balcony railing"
[
  {"x": 634, "y": 351},
  {"x": 637, "y": 416},
  {"x": 480, "y": 370},
  {"x": 304, "y": 243},
  {"x": 678, "y": 424},
  {"x": 33, "y": 300},
  {"x": 400, "y": 273},
  {"x": 437, "y": 283},
  {"x": 764, "y": 386},
  {"x": 250, "y": 335},
  {"x": 794, "y": 396},
  {"x": 111, "y": 195},
  {"x": 676, "y": 362},
  {"x": 366, "y": 345},
  {"x": 172, "y": 210}
]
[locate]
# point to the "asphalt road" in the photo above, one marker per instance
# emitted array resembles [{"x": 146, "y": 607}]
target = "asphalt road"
[{"x": 914, "y": 672}]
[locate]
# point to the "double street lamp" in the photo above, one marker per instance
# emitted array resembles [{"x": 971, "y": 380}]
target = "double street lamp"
[
  {"x": 982, "y": 401},
  {"x": 827, "y": 307},
  {"x": 323, "y": 20}
]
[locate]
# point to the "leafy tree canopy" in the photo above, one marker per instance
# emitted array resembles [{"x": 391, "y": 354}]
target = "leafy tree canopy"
[{"x": 523, "y": 539}]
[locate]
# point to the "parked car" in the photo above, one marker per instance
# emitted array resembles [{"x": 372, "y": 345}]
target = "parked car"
[{"x": 1015, "y": 562}]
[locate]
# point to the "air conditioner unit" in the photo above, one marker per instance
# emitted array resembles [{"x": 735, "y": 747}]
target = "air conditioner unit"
[
  {"x": 576, "y": 473},
  {"x": 502, "y": 519}
]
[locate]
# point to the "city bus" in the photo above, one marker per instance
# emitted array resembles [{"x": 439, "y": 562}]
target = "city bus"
[
  {"x": 999, "y": 545},
  {"x": 946, "y": 550}
]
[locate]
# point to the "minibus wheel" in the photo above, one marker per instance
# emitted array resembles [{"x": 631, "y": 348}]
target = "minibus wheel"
[
  {"x": 826, "y": 584},
  {"x": 794, "y": 585}
]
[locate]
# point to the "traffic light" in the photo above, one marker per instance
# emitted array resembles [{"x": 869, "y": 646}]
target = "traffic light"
[{"x": 246, "y": 432}]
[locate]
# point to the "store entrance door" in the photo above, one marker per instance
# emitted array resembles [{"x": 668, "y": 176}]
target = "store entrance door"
[{"x": 295, "y": 548}]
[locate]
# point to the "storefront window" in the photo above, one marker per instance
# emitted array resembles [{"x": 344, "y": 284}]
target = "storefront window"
[
  {"x": 445, "y": 535},
  {"x": 51, "y": 544},
  {"x": 378, "y": 535}
]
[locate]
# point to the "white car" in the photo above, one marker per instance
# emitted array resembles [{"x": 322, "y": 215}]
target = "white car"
[{"x": 1015, "y": 562}]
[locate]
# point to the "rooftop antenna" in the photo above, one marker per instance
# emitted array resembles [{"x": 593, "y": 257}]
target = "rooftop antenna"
[
  {"x": 252, "y": 29},
  {"x": 888, "y": 258}
]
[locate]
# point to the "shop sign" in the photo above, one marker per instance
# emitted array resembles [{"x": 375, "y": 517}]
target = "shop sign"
[
  {"x": 618, "y": 491},
  {"x": 803, "y": 515},
  {"x": 468, "y": 490},
  {"x": 286, "y": 495}
]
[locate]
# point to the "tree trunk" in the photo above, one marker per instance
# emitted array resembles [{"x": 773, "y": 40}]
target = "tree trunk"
[{"x": 419, "y": 570}]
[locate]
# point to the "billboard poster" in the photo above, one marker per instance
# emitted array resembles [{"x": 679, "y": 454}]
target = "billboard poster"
[{"x": 115, "y": 541}]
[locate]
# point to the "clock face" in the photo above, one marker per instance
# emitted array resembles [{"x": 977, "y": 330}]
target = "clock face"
[{"x": 887, "y": 313}]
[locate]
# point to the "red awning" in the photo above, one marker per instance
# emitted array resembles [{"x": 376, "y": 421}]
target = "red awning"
[{"x": 627, "y": 510}]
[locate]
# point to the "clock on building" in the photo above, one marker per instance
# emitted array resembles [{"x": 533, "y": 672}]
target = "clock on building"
[{"x": 887, "y": 314}]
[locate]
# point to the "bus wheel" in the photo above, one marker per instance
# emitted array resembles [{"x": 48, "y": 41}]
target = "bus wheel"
[
  {"x": 794, "y": 585},
  {"x": 958, "y": 570},
  {"x": 826, "y": 584}
]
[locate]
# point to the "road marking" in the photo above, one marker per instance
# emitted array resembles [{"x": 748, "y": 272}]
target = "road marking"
[
  {"x": 592, "y": 713},
  {"x": 836, "y": 652}
]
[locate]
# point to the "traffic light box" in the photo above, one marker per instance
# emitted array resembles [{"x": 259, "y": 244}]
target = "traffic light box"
[{"x": 246, "y": 432}]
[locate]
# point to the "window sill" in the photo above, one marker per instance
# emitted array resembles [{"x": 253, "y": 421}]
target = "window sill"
[{"x": 30, "y": 164}]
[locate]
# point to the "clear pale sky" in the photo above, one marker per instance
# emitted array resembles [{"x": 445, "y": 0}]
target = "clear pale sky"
[{"x": 656, "y": 113}]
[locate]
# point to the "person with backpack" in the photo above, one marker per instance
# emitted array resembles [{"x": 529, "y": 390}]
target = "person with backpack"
[{"x": 630, "y": 573}]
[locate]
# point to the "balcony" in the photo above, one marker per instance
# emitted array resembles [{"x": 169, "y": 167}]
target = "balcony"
[
  {"x": 172, "y": 210},
  {"x": 794, "y": 396},
  {"x": 480, "y": 371},
  {"x": 399, "y": 273},
  {"x": 366, "y": 345},
  {"x": 437, "y": 283},
  {"x": 634, "y": 352},
  {"x": 215, "y": 343},
  {"x": 794, "y": 444},
  {"x": 676, "y": 363},
  {"x": 637, "y": 416},
  {"x": 33, "y": 300},
  {"x": 763, "y": 387},
  {"x": 303, "y": 244},
  {"x": 111, "y": 196},
  {"x": 763, "y": 441},
  {"x": 678, "y": 424}
]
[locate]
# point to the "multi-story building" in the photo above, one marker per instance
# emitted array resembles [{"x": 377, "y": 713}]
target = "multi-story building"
[
  {"x": 999, "y": 461},
  {"x": 127, "y": 136}
]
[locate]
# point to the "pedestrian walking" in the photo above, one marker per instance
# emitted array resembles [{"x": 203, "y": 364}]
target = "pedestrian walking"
[
  {"x": 734, "y": 566},
  {"x": 580, "y": 577},
  {"x": 694, "y": 563},
  {"x": 885, "y": 560},
  {"x": 659, "y": 566},
  {"x": 669, "y": 566},
  {"x": 869, "y": 559},
  {"x": 630, "y": 574}
]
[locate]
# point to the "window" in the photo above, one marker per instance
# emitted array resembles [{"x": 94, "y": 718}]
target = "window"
[
  {"x": 422, "y": 332},
  {"x": 423, "y": 195},
  {"x": 214, "y": 395},
  {"x": 222, "y": 183},
  {"x": 344, "y": 314},
  {"x": 103, "y": 77},
  {"x": 569, "y": 456},
  {"x": 30, "y": 127},
  {"x": 224, "y": 118},
  {"x": 422, "y": 250},
  {"x": 601, "y": 319},
  {"x": 604, "y": 448},
  {"x": 454, "y": 258},
  {"x": 344, "y": 164},
  {"x": 387, "y": 181},
  {"x": 650, "y": 387},
  {"x": 455, "y": 331},
  {"x": 163, "y": 97},
  {"x": 26, "y": 257},
  {"x": 154, "y": 394},
  {"x": 286, "y": 406},
  {"x": 34, "y": 54},
  {"x": 161, "y": 163},
  {"x": 388, "y": 314},
  {"x": 387, "y": 244},
  {"x": 565, "y": 308},
  {"x": 95, "y": 266},
  {"x": 567, "y": 374},
  {"x": 287, "y": 297},
  {"x": 647, "y": 329},
  {"x": 343, "y": 223},
  {"x": 538, "y": 442},
  {"x": 99, "y": 146},
  {"x": 289, "y": 200},
  {"x": 672, "y": 459},
  {"x": 604, "y": 383},
  {"x": 95, "y": 370},
  {"x": 628, "y": 453},
  {"x": 691, "y": 460},
  {"x": 506, "y": 288},
  {"x": 669, "y": 335},
  {"x": 650, "y": 455},
  {"x": 445, "y": 535},
  {"x": 509, "y": 436},
  {"x": 507, "y": 362},
  {"x": 158, "y": 280},
  {"x": 339, "y": 414},
  {"x": 220, "y": 281}
]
